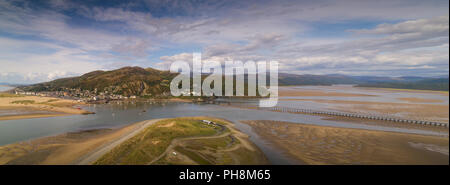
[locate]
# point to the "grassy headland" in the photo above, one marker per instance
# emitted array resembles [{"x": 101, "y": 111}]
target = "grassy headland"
[{"x": 186, "y": 141}]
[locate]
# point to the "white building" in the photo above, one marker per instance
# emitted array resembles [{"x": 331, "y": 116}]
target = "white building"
[{"x": 207, "y": 122}]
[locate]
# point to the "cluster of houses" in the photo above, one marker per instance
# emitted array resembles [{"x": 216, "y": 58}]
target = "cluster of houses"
[
  {"x": 187, "y": 92},
  {"x": 77, "y": 94}
]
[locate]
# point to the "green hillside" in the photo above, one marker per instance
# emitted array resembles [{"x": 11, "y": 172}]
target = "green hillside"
[
  {"x": 125, "y": 81},
  {"x": 150, "y": 82},
  {"x": 437, "y": 84}
]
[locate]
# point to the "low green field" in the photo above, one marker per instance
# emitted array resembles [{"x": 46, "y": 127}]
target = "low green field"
[
  {"x": 212, "y": 144},
  {"x": 189, "y": 153},
  {"x": 220, "y": 151},
  {"x": 154, "y": 140}
]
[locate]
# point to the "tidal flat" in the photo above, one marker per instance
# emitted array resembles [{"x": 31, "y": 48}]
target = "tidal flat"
[{"x": 312, "y": 144}]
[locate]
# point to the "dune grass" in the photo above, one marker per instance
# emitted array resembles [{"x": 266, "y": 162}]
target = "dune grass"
[
  {"x": 25, "y": 102},
  {"x": 214, "y": 144},
  {"x": 192, "y": 155}
]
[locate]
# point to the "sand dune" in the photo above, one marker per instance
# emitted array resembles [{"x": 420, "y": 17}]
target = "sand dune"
[{"x": 54, "y": 107}]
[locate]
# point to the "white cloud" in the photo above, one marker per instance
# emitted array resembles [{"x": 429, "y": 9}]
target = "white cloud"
[
  {"x": 225, "y": 30},
  {"x": 168, "y": 60},
  {"x": 438, "y": 25},
  {"x": 408, "y": 45}
]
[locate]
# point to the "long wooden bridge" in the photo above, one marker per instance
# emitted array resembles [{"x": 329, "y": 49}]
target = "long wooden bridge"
[{"x": 343, "y": 114}]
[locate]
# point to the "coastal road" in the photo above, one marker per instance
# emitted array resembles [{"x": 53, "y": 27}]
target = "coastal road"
[
  {"x": 99, "y": 152},
  {"x": 177, "y": 141}
]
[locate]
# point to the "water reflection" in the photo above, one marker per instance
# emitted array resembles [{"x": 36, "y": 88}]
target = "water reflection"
[{"x": 120, "y": 114}]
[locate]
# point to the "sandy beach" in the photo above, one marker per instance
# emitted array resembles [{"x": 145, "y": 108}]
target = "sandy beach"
[
  {"x": 51, "y": 106},
  {"x": 312, "y": 144},
  {"x": 68, "y": 148}
]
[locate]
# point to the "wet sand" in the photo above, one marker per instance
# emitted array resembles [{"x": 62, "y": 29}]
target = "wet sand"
[
  {"x": 66, "y": 148},
  {"x": 54, "y": 107},
  {"x": 288, "y": 92},
  {"x": 331, "y": 145}
]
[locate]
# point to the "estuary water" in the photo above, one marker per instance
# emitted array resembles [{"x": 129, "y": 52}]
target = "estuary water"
[{"x": 117, "y": 114}]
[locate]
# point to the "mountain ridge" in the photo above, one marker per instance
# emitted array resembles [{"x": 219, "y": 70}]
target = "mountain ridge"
[
  {"x": 139, "y": 81},
  {"x": 125, "y": 81}
]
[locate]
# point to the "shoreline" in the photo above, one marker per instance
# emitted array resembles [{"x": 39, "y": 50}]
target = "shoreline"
[
  {"x": 88, "y": 146},
  {"x": 64, "y": 110},
  {"x": 55, "y": 106}
]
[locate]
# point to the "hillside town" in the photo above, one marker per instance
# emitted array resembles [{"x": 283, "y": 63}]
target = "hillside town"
[{"x": 78, "y": 94}]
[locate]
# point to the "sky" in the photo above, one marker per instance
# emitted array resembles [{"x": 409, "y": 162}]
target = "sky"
[{"x": 42, "y": 40}]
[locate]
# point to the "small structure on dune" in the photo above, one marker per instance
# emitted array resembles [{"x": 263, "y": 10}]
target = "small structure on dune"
[{"x": 208, "y": 122}]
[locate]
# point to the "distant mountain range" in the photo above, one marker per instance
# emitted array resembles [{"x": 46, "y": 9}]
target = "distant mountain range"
[
  {"x": 292, "y": 79},
  {"x": 151, "y": 82},
  {"x": 438, "y": 84},
  {"x": 406, "y": 82}
]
